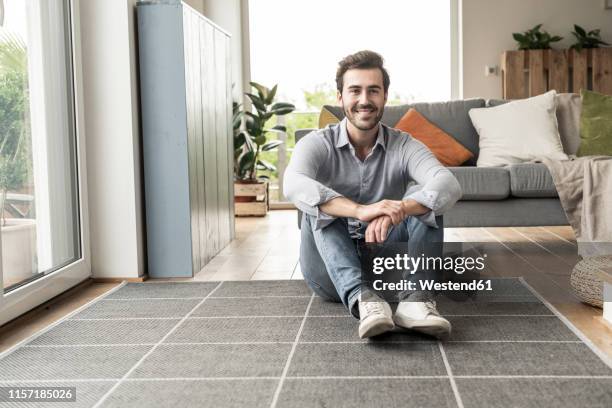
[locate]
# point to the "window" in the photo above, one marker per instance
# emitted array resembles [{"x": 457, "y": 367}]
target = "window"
[
  {"x": 297, "y": 45},
  {"x": 39, "y": 211}
]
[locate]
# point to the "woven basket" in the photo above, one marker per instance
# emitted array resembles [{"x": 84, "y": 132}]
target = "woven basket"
[{"x": 585, "y": 280}]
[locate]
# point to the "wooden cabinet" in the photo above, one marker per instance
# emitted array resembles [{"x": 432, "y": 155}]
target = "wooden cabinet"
[
  {"x": 532, "y": 72},
  {"x": 187, "y": 137}
]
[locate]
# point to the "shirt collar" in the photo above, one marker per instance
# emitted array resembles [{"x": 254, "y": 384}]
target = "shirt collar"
[{"x": 343, "y": 139}]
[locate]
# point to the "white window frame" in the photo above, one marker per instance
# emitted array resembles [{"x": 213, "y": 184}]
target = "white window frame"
[{"x": 38, "y": 291}]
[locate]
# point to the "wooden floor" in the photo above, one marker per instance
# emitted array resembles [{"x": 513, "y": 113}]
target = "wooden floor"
[{"x": 268, "y": 248}]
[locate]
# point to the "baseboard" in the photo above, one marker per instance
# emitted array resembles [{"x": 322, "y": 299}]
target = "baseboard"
[{"x": 119, "y": 279}]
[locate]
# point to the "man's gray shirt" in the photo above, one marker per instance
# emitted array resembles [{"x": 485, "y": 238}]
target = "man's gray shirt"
[{"x": 324, "y": 166}]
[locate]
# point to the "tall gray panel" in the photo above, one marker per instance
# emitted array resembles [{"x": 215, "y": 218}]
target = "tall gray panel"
[
  {"x": 164, "y": 125},
  {"x": 221, "y": 130},
  {"x": 230, "y": 145},
  {"x": 199, "y": 214},
  {"x": 187, "y": 137},
  {"x": 191, "y": 135},
  {"x": 210, "y": 145}
]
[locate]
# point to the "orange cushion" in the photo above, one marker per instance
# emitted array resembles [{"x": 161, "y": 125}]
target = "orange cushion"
[{"x": 446, "y": 149}]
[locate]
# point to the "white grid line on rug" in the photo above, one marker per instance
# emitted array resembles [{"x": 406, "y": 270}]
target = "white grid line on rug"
[
  {"x": 290, "y": 357},
  {"x": 449, "y": 371},
  {"x": 106, "y": 394}
]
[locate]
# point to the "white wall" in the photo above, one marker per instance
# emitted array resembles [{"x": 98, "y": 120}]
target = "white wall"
[
  {"x": 110, "y": 86},
  {"x": 227, "y": 15},
  {"x": 488, "y": 26}
]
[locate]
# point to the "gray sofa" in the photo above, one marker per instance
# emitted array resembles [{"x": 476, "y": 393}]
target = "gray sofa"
[{"x": 515, "y": 195}]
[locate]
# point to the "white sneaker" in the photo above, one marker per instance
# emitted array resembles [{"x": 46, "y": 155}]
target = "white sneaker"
[
  {"x": 375, "y": 316},
  {"x": 422, "y": 317}
]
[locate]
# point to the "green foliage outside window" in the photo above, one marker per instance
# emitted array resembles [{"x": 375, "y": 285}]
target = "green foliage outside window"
[{"x": 15, "y": 140}]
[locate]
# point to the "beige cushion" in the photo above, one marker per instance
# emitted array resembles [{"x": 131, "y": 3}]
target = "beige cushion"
[
  {"x": 569, "y": 106},
  {"x": 518, "y": 131}
]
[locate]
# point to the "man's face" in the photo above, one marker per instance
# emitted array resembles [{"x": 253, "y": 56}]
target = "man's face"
[{"x": 363, "y": 97}]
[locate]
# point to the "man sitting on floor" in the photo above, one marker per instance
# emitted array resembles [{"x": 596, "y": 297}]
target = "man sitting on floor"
[{"x": 355, "y": 182}]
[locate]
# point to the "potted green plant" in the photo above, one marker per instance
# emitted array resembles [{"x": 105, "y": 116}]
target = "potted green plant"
[
  {"x": 584, "y": 39},
  {"x": 535, "y": 39},
  {"x": 251, "y": 133}
]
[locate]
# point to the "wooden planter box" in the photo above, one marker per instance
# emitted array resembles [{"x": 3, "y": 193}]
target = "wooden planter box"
[
  {"x": 258, "y": 193},
  {"x": 528, "y": 73}
]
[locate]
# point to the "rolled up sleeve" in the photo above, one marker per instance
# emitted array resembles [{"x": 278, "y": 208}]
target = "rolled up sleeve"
[
  {"x": 299, "y": 183},
  {"x": 436, "y": 188}
]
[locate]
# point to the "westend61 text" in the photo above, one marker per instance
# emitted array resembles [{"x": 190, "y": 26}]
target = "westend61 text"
[{"x": 429, "y": 285}]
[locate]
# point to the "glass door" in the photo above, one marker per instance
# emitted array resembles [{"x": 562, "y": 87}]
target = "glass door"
[{"x": 42, "y": 205}]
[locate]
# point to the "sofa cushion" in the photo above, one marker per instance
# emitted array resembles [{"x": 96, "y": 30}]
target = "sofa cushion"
[
  {"x": 518, "y": 131},
  {"x": 531, "y": 180},
  {"x": 595, "y": 124},
  {"x": 483, "y": 183},
  {"x": 452, "y": 117},
  {"x": 447, "y": 150},
  {"x": 569, "y": 107}
]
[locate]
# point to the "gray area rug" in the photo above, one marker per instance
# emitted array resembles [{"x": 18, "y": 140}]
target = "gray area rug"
[{"x": 273, "y": 344}]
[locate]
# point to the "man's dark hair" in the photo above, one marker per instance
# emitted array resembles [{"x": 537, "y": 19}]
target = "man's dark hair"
[{"x": 361, "y": 60}]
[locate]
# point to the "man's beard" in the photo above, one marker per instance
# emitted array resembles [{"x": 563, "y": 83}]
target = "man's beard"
[{"x": 351, "y": 113}]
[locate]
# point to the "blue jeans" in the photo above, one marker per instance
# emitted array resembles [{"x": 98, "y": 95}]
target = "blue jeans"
[{"x": 330, "y": 258}]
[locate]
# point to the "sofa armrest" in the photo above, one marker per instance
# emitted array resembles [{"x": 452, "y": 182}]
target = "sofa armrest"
[{"x": 300, "y": 133}]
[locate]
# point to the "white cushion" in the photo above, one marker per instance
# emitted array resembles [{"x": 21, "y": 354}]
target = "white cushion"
[{"x": 518, "y": 131}]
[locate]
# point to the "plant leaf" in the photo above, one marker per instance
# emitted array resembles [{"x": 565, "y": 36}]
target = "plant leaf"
[
  {"x": 257, "y": 102},
  {"x": 246, "y": 161},
  {"x": 253, "y": 124},
  {"x": 271, "y": 145},
  {"x": 261, "y": 90},
  {"x": 283, "y": 105},
  {"x": 580, "y": 30},
  {"x": 282, "y": 108},
  {"x": 239, "y": 141},
  {"x": 271, "y": 95},
  {"x": 267, "y": 165}
]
